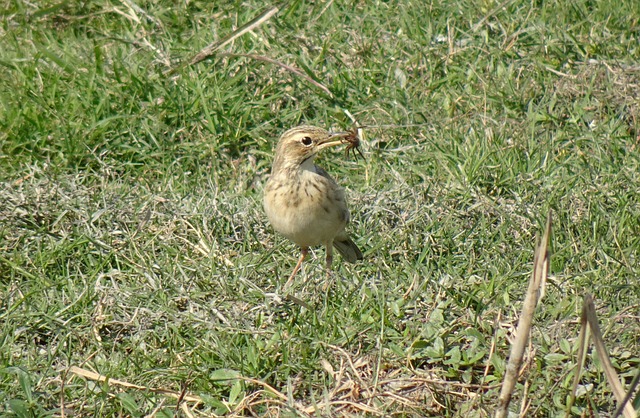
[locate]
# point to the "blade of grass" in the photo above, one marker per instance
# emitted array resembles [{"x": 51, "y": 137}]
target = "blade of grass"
[
  {"x": 609, "y": 370},
  {"x": 632, "y": 388},
  {"x": 582, "y": 345}
]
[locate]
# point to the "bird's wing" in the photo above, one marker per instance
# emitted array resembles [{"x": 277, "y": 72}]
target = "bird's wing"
[
  {"x": 338, "y": 194},
  {"x": 324, "y": 174}
]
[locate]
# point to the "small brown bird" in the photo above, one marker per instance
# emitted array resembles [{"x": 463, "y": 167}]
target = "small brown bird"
[{"x": 303, "y": 202}]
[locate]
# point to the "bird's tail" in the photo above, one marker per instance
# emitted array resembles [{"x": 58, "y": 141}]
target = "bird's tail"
[{"x": 347, "y": 248}]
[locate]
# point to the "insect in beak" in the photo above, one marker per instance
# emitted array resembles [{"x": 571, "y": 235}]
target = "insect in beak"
[{"x": 353, "y": 140}]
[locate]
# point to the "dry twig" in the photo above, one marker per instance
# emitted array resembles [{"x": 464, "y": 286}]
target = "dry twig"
[
  {"x": 210, "y": 49},
  {"x": 534, "y": 294},
  {"x": 87, "y": 374}
]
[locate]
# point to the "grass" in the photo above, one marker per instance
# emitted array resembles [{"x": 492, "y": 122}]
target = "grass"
[{"x": 133, "y": 241}]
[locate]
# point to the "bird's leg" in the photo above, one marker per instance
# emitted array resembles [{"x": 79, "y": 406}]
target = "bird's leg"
[
  {"x": 329, "y": 257},
  {"x": 303, "y": 255},
  {"x": 328, "y": 262}
]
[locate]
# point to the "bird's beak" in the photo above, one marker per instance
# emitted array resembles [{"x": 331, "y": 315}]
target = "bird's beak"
[{"x": 332, "y": 140}]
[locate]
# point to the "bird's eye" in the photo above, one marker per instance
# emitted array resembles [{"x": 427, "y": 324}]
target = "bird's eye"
[{"x": 307, "y": 141}]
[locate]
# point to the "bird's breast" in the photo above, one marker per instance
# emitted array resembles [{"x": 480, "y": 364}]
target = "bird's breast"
[{"x": 307, "y": 208}]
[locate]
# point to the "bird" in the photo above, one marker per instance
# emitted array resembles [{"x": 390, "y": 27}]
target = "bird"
[{"x": 303, "y": 202}]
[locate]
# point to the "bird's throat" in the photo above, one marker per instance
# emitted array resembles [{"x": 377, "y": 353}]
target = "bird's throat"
[{"x": 307, "y": 163}]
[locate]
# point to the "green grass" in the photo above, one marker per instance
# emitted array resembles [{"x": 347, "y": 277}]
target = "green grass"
[{"x": 133, "y": 241}]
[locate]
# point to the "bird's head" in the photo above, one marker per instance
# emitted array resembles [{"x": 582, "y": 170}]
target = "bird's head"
[{"x": 299, "y": 145}]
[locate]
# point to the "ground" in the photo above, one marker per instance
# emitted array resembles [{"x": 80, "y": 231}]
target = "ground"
[{"x": 133, "y": 243}]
